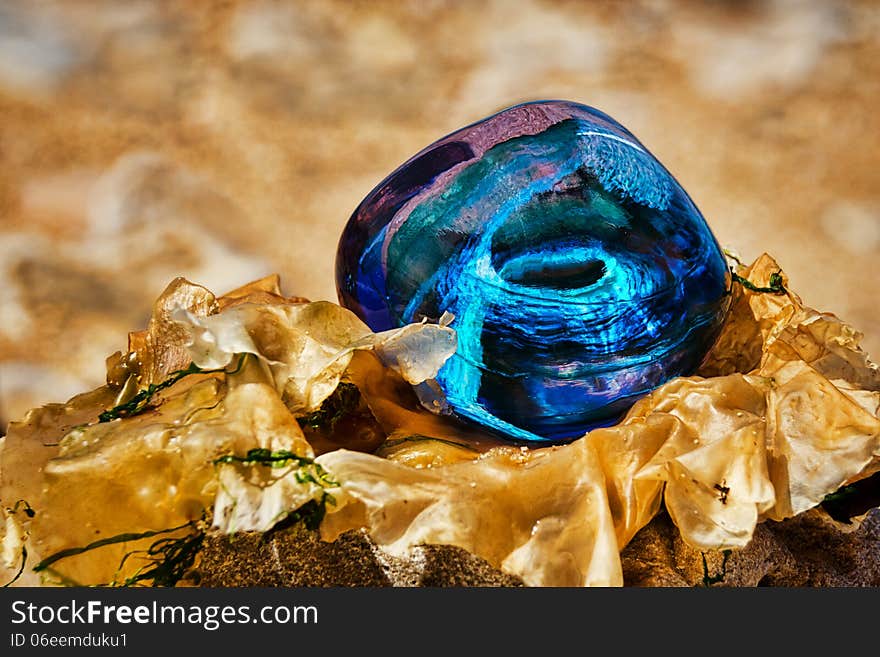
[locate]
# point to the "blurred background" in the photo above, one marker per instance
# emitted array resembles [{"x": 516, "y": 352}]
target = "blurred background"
[{"x": 222, "y": 141}]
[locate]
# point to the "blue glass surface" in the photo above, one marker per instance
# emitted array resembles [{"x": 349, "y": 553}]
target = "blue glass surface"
[{"x": 580, "y": 273}]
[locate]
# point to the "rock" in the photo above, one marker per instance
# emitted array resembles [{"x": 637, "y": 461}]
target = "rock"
[
  {"x": 809, "y": 550},
  {"x": 295, "y": 556}
]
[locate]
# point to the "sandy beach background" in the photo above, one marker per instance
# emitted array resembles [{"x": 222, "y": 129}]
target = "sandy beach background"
[{"x": 223, "y": 141}]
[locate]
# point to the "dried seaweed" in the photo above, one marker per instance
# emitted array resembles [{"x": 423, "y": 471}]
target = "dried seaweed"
[
  {"x": 30, "y": 513},
  {"x": 170, "y": 559},
  {"x": 307, "y": 472},
  {"x": 140, "y": 402},
  {"x": 110, "y": 540}
]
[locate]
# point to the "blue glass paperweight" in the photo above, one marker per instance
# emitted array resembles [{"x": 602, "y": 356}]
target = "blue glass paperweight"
[{"x": 580, "y": 274}]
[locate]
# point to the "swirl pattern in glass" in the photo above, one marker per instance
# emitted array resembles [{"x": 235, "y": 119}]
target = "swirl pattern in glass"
[{"x": 580, "y": 274}]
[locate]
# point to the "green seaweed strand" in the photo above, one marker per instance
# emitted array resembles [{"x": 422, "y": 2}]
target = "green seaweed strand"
[
  {"x": 264, "y": 456},
  {"x": 775, "y": 287},
  {"x": 141, "y": 400},
  {"x": 312, "y": 512},
  {"x": 308, "y": 472},
  {"x": 111, "y": 540},
  {"x": 170, "y": 560}
]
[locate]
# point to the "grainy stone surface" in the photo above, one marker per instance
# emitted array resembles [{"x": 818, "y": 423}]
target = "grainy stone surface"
[
  {"x": 809, "y": 550},
  {"x": 297, "y": 557}
]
